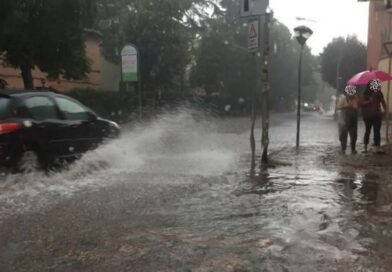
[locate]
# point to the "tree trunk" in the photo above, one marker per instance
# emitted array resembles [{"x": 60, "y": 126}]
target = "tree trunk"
[{"x": 27, "y": 77}]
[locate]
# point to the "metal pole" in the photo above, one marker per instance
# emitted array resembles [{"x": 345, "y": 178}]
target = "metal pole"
[
  {"x": 388, "y": 95},
  {"x": 253, "y": 117},
  {"x": 265, "y": 90},
  {"x": 140, "y": 87},
  {"x": 338, "y": 82},
  {"x": 299, "y": 99}
]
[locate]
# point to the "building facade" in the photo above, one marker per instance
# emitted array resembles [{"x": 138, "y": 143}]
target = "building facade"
[
  {"x": 380, "y": 32},
  {"x": 104, "y": 75}
]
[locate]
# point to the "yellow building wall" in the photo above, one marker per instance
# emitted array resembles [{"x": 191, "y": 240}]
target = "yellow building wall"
[
  {"x": 383, "y": 66},
  {"x": 13, "y": 76}
]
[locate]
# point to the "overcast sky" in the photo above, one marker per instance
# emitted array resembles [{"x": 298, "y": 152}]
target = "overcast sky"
[{"x": 334, "y": 18}]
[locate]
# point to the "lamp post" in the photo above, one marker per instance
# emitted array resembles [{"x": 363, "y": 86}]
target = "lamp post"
[
  {"x": 302, "y": 34},
  {"x": 388, "y": 49}
]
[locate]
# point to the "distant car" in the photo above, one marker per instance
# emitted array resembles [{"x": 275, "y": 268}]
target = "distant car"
[
  {"x": 40, "y": 128},
  {"x": 311, "y": 107}
]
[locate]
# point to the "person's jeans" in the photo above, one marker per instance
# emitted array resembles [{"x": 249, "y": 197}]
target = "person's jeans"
[
  {"x": 349, "y": 127},
  {"x": 375, "y": 123}
]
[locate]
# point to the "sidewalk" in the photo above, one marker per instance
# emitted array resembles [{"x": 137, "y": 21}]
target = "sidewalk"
[{"x": 363, "y": 161}]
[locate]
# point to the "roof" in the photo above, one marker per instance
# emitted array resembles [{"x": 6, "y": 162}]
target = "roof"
[{"x": 22, "y": 92}]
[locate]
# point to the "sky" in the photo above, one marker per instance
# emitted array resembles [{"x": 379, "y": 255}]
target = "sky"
[{"x": 333, "y": 18}]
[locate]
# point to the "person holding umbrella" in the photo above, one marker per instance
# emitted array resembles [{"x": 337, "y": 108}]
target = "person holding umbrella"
[
  {"x": 348, "y": 118},
  {"x": 372, "y": 113},
  {"x": 371, "y": 103}
]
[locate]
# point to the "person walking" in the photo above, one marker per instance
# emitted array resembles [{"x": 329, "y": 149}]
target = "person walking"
[
  {"x": 372, "y": 113},
  {"x": 348, "y": 118}
]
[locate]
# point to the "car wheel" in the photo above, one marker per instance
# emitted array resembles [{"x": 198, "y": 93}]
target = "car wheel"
[{"x": 28, "y": 163}]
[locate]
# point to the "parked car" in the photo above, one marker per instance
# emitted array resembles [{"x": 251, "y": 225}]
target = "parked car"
[{"x": 41, "y": 128}]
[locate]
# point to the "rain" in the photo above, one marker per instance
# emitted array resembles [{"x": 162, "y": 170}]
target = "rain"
[{"x": 198, "y": 167}]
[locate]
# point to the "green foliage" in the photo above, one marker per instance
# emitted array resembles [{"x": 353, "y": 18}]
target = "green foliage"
[
  {"x": 284, "y": 68},
  {"x": 350, "y": 53},
  {"x": 156, "y": 28},
  {"x": 47, "y": 34},
  {"x": 114, "y": 17},
  {"x": 117, "y": 106},
  {"x": 222, "y": 63}
]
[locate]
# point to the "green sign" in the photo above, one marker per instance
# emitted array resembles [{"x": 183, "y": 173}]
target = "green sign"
[{"x": 129, "y": 63}]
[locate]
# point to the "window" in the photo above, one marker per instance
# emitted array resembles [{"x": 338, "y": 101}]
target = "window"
[
  {"x": 246, "y": 5},
  {"x": 41, "y": 108},
  {"x": 72, "y": 110},
  {"x": 3, "y": 107}
]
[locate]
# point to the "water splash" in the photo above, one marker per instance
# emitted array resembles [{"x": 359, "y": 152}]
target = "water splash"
[{"x": 184, "y": 142}]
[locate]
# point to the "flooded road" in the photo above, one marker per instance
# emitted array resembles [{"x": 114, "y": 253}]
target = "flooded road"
[{"x": 177, "y": 195}]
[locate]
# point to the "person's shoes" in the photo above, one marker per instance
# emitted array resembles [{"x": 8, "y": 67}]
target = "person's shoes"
[
  {"x": 343, "y": 152},
  {"x": 365, "y": 150},
  {"x": 353, "y": 151}
]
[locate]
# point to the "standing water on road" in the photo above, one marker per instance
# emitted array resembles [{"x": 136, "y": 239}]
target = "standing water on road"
[{"x": 176, "y": 195}]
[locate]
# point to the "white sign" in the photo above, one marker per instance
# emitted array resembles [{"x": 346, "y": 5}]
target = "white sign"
[
  {"x": 129, "y": 63},
  {"x": 253, "y": 36},
  {"x": 251, "y": 8}
]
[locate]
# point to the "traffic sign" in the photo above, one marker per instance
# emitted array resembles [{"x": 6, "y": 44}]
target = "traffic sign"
[
  {"x": 251, "y": 8},
  {"x": 129, "y": 63},
  {"x": 253, "y": 36}
]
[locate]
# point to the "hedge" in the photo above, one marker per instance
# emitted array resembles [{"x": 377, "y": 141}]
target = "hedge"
[{"x": 117, "y": 106}]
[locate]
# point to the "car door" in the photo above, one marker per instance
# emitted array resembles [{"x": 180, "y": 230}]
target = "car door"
[
  {"x": 82, "y": 121},
  {"x": 47, "y": 129}
]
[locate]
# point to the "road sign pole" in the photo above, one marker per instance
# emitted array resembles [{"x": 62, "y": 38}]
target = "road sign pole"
[
  {"x": 255, "y": 9},
  {"x": 253, "y": 48},
  {"x": 253, "y": 116},
  {"x": 265, "y": 89}
]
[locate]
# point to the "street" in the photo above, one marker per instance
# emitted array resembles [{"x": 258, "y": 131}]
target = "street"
[{"x": 176, "y": 194}]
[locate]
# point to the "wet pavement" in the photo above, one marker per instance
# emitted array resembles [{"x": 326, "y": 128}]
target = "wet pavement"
[{"x": 177, "y": 194}]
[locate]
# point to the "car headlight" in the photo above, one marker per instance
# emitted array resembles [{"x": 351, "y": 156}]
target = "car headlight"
[{"x": 114, "y": 125}]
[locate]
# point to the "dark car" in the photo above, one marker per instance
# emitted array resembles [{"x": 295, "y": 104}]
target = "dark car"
[{"x": 39, "y": 129}]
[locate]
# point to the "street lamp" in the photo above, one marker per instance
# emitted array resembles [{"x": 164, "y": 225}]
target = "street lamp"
[
  {"x": 388, "y": 49},
  {"x": 302, "y": 34}
]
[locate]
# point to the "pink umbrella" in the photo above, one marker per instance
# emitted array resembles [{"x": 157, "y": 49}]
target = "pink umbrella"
[{"x": 363, "y": 78}]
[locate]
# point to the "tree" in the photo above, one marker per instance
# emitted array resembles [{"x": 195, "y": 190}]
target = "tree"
[
  {"x": 163, "y": 31},
  {"x": 346, "y": 54},
  {"x": 284, "y": 68},
  {"x": 222, "y": 63},
  {"x": 113, "y": 18},
  {"x": 46, "y": 34}
]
